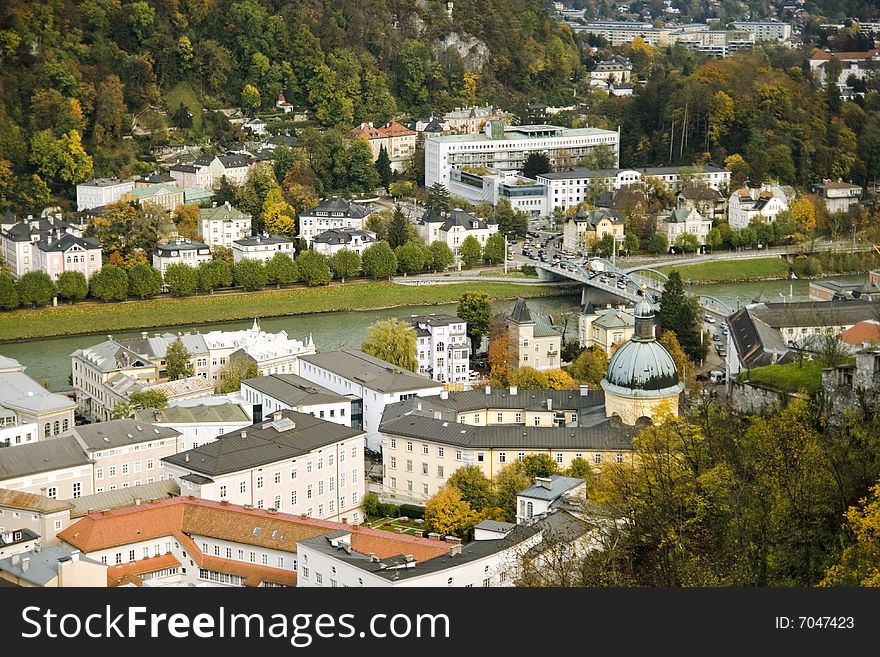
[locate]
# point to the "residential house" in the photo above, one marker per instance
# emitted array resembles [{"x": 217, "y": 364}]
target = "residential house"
[
  {"x": 16, "y": 434},
  {"x": 332, "y": 241},
  {"x": 166, "y": 195},
  {"x": 261, "y": 247},
  {"x": 428, "y": 127},
  {"x": 53, "y": 567},
  {"x": 332, "y": 213},
  {"x": 371, "y": 382},
  {"x": 542, "y": 497},
  {"x": 17, "y": 240},
  {"x": 398, "y": 140},
  {"x": 234, "y": 168},
  {"x": 613, "y": 69},
  {"x": 838, "y": 196},
  {"x": 472, "y": 120},
  {"x": 277, "y": 392},
  {"x": 256, "y": 125},
  {"x": 425, "y": 440},
  {"x": 681, "y": 221},
  {"x": 764, "y": 333},
  {"x": 221, "y": 226},
  {"x": 181, "y": 251},
  {"x": 455, "y": 228},
  {"x": 59, "y": 468},
  {"x": 582, "y": 231},
  {"x": 34, "y": 513},
  {"x": 864, "y": 335},
  {"x": 58, "y": 253},
  {"x": 532, "y": 341},
  {"x": 604, "y": 327},
  {"x": 23, "y": 401},
  {"x": 192, "y": 176},
  {"x": 283, "y": 105},
  {"x": 290, "y": 461},
  {"x": 748, "y": 203},
  {"x": 442, "y": 347},
  {"x": 706, "y": 200},
  {"x": 198, "y": 424},
  {"x": 101, "y": 191},
  {"x": 18, "y": 541}
]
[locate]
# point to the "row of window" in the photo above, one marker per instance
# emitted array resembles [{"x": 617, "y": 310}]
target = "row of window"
[
  {"x": 502, "y": 456},
  {"x": 58, "y": 427},
  {"x": 260, "y": 482},
  {"x": 111, "y": 470}
]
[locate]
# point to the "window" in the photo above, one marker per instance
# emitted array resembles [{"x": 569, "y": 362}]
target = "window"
[
  {"x": 280, "y": 562},
  {"x": 308, "y": 467},
  {"x": 119, "y": 557},
  {"x": 77, "y": 489},
  {"x": 342, "y": 480},
  {"x": 559, "y": 457},
  {"x": 321, "y": 463},
  {"x": 319, "y": 578},
  {"x": 228, "y": 553},
  {"x": 424, "y": 468},
  {"x": 309, "y": 492},
  {"x": 392, "y": 463},
  {"x": 58, "y": 525},
  {"x": 332, "y": 484},
  {"x": 354, "y": 452},
  {"x": 52, "y": 492},
  {"x": 487, "y": 581},
  {"x": 305, "y": 572},
  {"x": 330, "y": 460},
  {"x": 320, "y": 510},
  {"x": 392, "y": 443},
  {"x": 293, "y": 474},
  {"x": 440, "y": 471},
  {"x": 618, "y": 457},
  {"x": 502, "y": 457},
  {"x": 424, "y": 489},
  {"x": 458, "y": 455},
  {"x": 99, "y": 473},
  {"x": 111, "y": 471},
  {"x": 242, "y": 487},
  {"x": 597, "y": 457},
  {"x": 409, "y": 446},
  {"x": 517, "y": 418},
  {"x": 104, "y": 560},
  {"x": 409, "y": 485},
  {"x": 520, "y": 456},
  {"x": 440, "y": 452},
  {"x": 354, "y": 476},
  {"x": 321, "y": 487},
  {"x": 293, "y": 498},
  {"x": 500, "y": 418},
  {"x": 424, "y": 448},
  {"x": 253, "y": 557},
  {"x": 150, "y": 464},
  {"x": 259, "y": 482},
  {"x": 265, "y": 559},
  {"x": 216, "y": 550},
  {"x": 476, "y": 418},
  {"x": 409, "y": 465},
  {"x": 222, "y": 491},
  {"x": 277, "y": 477},
  {"x": 125, "y": 468},
  {"x": 530, "y": 510},
  {"x": 137, "y": 466},
  {"x": 393, "y": 482},
  {"x": 277, "y": 504},
  {"x": 204, "y": 548}
]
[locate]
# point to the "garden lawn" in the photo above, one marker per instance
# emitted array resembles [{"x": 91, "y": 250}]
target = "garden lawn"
[
  {"x": 96, "y": 317},
  {"x": 722, "y": 271},
  {"x": 791, "y": 377},
  {"x": 184, "y": 93}
]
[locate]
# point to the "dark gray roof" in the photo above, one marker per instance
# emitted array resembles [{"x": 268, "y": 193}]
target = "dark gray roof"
[
  {"x": 18, "y": 535},
  {"x": 434, "y": 320},
  {"x": 293, "y": 390},
  {"x": 432, "y": 217},
  {"x": 197, "y": 479},
  {"x": 122, "y": 497},
  {"x": 495, "y": 526},
  {"x": 501, "y": 398},
  {"x": 157, "y": 178},
  {"x": 118, "y": 433},
  {"x": 520, "y": 313},
  {"x": 339, "y": 207},
  {"x": 20, "y": 392},
  {"x": 611, "y": 434},
  {"x": 559, "y": 485},
  {"x": 67, "y": 241},
  {"x": 262, "y": 239},
  {"x": 343, "y": 236},
  {"x": 464, "y": 219},
  {"x": 201, "y": 413},
  {"x": 289, "y": 435},
  {"x": 756, "y": 343},
  {"x": 181, "y": 245},
  {"x": 701, "y": 193},
  {"x": 372, "y": 372},
  {"x": 42, "y": 456},
  {"x": 186, "y": 168},
  {"x": 42, "y": 565},
  {"x": 235, "y": 161},
  {"x": 815, "y": 313},
  {"x": 593, "y": 217},
  {"x": 27, "y": 230},
  {"x": 282, "y": 140}
]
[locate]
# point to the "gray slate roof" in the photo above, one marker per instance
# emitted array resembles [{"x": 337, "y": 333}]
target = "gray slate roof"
[
  {"x": 815, "y": 313},
  {"x": 289, "y": 436},
  {"x": 558, "y": 486},
  {"x": 500, "y": 398},
  {"x": 20, "y": 392},
  {"x": 294, "y": 390},
  {"x": 68, "y": 241},
  {"x": 110, "y": 355},
  {"x": 123, "y": 497},
  {"x": 496, "y": 526},
  {"x": 43, "y": 565},
  {"x": 43, "y": 456},
  {"x": 343, "y": 236},
  {"x": 262, "y": 239},
  {"x": 202, "y": 413},
  {"x": 370, "y": 371},
  {"x": 180, "y": 245},
  {"x": 520, "y": 313},
  {"x": 337, "y": 206},
  {"x": 119, "y": 433},
  {"x": 463, "y": 219},
  {"x": 610, "y": 435}
]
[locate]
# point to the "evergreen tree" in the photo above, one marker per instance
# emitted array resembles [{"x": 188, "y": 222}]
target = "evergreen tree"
[
  {"x": 536, "y": 163},
  {"x": 682, "y": 315},
  {"x": 178, "y": 364},
  {"x": 398, "y": 228},
  {"x": 475, "y": 308},
  {"x": 383, "y": 168},
  {"x": 438, "y": 199}
]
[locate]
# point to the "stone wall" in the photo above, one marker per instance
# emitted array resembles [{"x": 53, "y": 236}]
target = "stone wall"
[{"x": 754, "y": 399}]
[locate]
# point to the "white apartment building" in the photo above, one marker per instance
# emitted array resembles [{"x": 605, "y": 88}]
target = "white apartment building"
[
  {"x": 442, "y": 347},
  {"x": 234, "y": 168},
  {"x": 107, "y": 373},
  {"x": 293, "y": 462},
  {"x": 23, "y": 402},
  {"x": 17, "y": 434},
  {"x": 331, "y": 242},
  {"x": 506, "y": 148},
  {"x": 261, "y": 247},
  {"x": 454, "y": 228},
  {"x": 858, "y": 64},
  {"x": 566, "y": 189},
  {"x": 101, "y": 191},
  {"x": 181, "y": 251},
  {"x": 491, "y": 186},
  {"x": 371, "y": 382},
  {"x": 765, "y": 30},
  {"x": 222, "y": 225},
  {"x": 619, "y": 33},
  {"x": 18, "y": 240},
  {"x": 125, "y": 452},
  {"x": 192, "y": 176},
  {"x": 277, "y": 392},
  {"x": 838, "y": 196},
  {"x": 748, "y": 203},
  {"x": 332, "y": 213},
  {"x": 59, "y": 468},
  {"x": 681, "y": 221},
  {"x": 197, "y": 424}
]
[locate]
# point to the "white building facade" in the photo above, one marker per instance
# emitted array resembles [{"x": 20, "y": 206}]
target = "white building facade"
[
  {"x": 442, "y": 347},
  {"x": 101, "y": 191}
]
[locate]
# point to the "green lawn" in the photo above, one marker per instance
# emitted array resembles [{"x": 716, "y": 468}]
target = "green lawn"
[
  {"x": 184, "y": 93},
  {"x": 722, "y": 271},
  {"x": 96, "y": 317},
  {"x": 791, "y": 377},
  {"x": 392, "y": 525}
]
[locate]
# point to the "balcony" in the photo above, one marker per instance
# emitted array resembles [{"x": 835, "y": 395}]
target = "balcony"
[{"x": 553, "y": 352}]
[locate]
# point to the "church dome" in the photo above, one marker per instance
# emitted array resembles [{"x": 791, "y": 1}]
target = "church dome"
[{"x": 642, "y": 367}]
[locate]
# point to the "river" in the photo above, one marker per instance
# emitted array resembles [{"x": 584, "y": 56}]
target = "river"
[{"x": 49, "y": 360}]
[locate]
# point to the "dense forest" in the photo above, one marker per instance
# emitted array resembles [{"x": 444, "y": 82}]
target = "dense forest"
[{"x": 92, "y": 87}]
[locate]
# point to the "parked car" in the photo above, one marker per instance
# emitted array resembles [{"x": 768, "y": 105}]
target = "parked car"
[
  {"x": 716, "y": 337},
  {"x": 710, "y": 319}
]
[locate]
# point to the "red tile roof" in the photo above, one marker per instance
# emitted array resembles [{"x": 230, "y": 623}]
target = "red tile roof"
[
  {"x": 866, "y": 331},
  {"x": 116, "y": 574},
  {"x": 184, "y": 517},
  {"x": 826, "y": 56}
]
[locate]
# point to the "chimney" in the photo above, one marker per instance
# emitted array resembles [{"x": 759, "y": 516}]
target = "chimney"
[
  {"x": 544, "y": 482},
  {"x": 512, "y": 390},
  {"x": 25, "y": 564},
  {"x": 455, "y": 549},
  {"x": 549, "y": 404},
  {"x": 488, "y": 390},
  {"x": 138, "y": 501},
  {"x": 344, "y": 520},
  {"x": 454, "y": 540},
  {"x": 74, "y": 556},
  {"x": 444, "y": 394},
  {"x": 244, "y": 434},
  {"x": 434, "y": 536},
  {"x": 186, "y": 458},
  {"x": 144, "y": 335}
]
